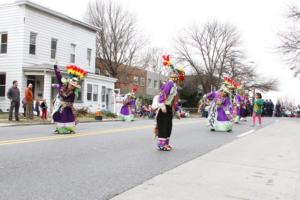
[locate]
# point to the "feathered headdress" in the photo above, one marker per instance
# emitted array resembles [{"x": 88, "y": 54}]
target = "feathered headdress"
[
  {"x": 178, "y": 72},
  {"x": 232, "y": 84},
  {"x": 135, "y": 88},
  {"x": 75, "y": 71}
]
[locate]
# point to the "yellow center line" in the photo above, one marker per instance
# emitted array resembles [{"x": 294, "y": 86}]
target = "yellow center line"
[{"x": 67, "y": 136}]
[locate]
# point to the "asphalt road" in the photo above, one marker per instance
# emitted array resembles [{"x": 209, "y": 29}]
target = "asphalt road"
[{"x": 100, "y": 161}]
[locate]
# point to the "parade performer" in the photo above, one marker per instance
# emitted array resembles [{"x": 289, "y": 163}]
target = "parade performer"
[
  {"x": 64, "y": 115},
  {"x": 168, "y": 103},
  {"x": 238, "y": 105},
  {"x": 128, "y": 108},
  {"x": 243, "y": 106},
  {"x": 220, "y": 116}
]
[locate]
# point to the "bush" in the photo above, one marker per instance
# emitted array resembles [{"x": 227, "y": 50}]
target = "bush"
[
  {"x": 108, "y": 114},
  {"x": 82, "y": 112}
]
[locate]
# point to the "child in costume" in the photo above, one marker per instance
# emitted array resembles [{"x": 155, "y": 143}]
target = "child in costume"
[
  {"x": 64, "y": 115},
  {"x": 127, "y": 110},
  {"x": 257, "y": 108},
  {"x": 167, "y": 104}
]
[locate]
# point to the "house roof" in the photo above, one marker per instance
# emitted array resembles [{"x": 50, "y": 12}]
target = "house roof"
[{"x": 56, "y": 14}]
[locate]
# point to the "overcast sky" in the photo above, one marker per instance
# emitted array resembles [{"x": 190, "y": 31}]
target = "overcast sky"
[{"x": 258, "y": 21}]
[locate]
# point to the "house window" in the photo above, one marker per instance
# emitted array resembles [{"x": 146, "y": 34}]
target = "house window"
[
  {"x": 155, "y": 84},
  {"x": 88, "y": 56},
  {"x": 2, "y": 85},
  {"x": 142, "y": 83},
  {"x": 95, "y": 93},
  {"x": 136, "y": 80},
  {"x": 32, "y": 43},
  {"x": 53, "y": 48},
  {"x": 149, "y": 82},
  {"x": 92, "y": 92},
  {"x": 3, "y": 46},
  {"x": 103, "y": 93},
  {"x": 72, "y": 55},
  {"x": 79, "y": 97},
  {"x": 89, "y": 92}
]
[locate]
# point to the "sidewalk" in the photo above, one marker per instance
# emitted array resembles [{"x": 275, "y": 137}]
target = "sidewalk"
[{"x": 264, "y": 165}]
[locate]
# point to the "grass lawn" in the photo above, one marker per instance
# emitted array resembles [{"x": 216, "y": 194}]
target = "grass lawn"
[{"x": 3, "y": 115}]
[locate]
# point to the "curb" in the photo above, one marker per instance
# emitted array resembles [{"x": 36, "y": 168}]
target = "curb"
[{"x": 49, "y": 123}]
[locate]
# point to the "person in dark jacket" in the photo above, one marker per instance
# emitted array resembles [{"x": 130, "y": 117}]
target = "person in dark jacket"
[
  {"x": 271, "y": 108},
  {"x": 13, "y": 94},
  {"x": 37, "y": 107},
  {"x": 278, "y": 109}
]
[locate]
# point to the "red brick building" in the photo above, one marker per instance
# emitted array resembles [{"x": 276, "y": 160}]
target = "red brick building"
[{"x": 128, "y": 77}]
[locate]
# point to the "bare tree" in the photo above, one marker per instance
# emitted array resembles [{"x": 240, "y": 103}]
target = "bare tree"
[
  {"x": 207, "y": 50},
  {"x": 214, "y": 51},
  {"x": 151, "y": 60},
  {"x": 241, "y": 71},
  {"x": 118, "y": 42},
  {"x": 290, "y": 41}
]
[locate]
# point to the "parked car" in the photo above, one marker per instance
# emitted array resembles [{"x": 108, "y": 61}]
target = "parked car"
[
  {"x": 287, "y": 113},
  {"x": 297, "y": 113}
]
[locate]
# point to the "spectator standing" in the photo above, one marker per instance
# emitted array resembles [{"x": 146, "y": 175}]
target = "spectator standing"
[
  {"x": 29, "y": 102},
  {"x": 24, "y": 106},
  {"x": 13, "y": 94},
  {"x": 271, "y": 107},
  {"x": 278, "y": 109},
  {"x": 37, "y": 107},
  {"x": 265, "y": 108},
  {"x": 248, "y": 105},
  {"x": 44, "y": 108}
]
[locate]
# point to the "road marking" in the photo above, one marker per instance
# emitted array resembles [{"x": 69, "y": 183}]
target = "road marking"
[
  {"x": 67, "y": 136},
  {"x": 246, "y": 133}
]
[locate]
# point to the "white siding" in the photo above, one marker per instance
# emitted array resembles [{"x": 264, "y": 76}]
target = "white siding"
[
  {"x": 18, "y": 22},
  {"x": 11, "y": 63},
  {"x": 47, "y": 27},
  {"x": 99, "y": 105}
]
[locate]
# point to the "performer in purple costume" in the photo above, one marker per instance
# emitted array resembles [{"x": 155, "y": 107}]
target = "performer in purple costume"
[
  {"x": 237, "y": 101},
  {"x": 168, "y": 103},
  {"x": 243, "y": 103},
  {"x": 64, "y": 115},
  {"x": 127, "y": 110},
  {"x": 219, "y": 112}
]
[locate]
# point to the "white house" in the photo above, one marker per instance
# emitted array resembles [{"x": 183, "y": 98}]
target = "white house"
[{"x": 32, "y": 37}]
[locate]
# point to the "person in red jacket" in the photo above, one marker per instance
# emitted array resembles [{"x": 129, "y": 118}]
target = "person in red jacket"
[
  {"x": 44, "y": 108},
  {"x": 29, "y": 102}
]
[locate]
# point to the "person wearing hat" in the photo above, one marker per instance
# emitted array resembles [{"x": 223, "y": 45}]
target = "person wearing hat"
[
  {"x": 239, "y": 105},
  {"x": 64, "y": 115},
  {"x": 167, "y": 104},
  {"x": 127, "y": 110},
  {"x": 219, "y": 118}
]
